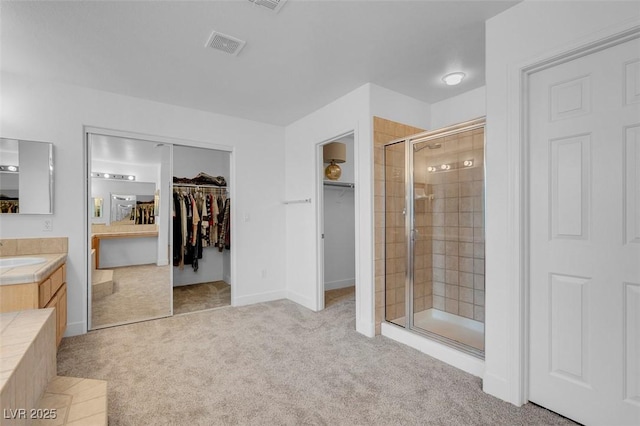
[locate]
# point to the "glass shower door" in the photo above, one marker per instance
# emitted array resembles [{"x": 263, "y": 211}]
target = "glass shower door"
[
  {"x": 396, "y": 233},
  {"x": 447, "y": 271}
]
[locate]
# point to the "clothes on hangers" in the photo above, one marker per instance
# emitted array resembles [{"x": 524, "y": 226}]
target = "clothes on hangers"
[{"x": 199, "y": 221}]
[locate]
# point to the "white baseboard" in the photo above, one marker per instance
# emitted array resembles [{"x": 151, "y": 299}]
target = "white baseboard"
[
  {"x": 334, "y": 285},
  {"x": 301, "y": 300},
  {"x": 259, "y": 298},
  {"x": 461, "y": 360},
  {"x": 366, "y": 328},
  {"x": 497, "y": 386},
  {"x": 76, "y": 329}
]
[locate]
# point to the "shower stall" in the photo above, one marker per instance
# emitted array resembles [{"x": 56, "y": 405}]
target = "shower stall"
[{"x": 434, "y": 235}]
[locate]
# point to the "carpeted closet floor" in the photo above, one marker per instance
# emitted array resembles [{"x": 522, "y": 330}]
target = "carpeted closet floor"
[
  {"x": 278, "y": 363},
  {"x": 198, "y": 297}
]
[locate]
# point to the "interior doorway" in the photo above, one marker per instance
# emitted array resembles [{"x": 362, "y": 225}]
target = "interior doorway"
[{"x": 337, "y": 274}]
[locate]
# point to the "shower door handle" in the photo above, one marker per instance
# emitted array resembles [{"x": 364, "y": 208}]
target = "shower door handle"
[{"x": 414, "y": 234}]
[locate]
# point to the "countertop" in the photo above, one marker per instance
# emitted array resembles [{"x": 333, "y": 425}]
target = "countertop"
[{"x": 32, "y": 273}]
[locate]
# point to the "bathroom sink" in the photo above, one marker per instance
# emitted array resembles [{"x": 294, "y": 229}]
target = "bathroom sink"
[{"x": 14, "y": 262}]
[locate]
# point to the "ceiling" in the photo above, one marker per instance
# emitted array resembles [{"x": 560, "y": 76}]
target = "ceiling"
[{"x": 294, "y": 62}]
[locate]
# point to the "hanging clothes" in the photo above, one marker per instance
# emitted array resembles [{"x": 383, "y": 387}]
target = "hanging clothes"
[
  {"x": 225, "y": 227},
  {"x": 201, "y": 218}
]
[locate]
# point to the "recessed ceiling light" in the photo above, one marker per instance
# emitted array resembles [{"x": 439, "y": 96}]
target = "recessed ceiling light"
[{"x": 453, "y": 78}]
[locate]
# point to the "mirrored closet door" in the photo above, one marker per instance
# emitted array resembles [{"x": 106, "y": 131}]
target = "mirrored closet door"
[{"x": 129, "y": 196}]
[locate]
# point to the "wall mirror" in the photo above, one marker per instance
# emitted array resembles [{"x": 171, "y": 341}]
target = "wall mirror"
[
  {"x": 131, "y": 209},
  {"x": 26, "y": 177}
]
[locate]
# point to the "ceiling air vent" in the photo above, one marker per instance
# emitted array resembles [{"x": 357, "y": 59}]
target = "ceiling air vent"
[
  {"x": 274, "y": 5},
  {"x": 225, "y": 43}
]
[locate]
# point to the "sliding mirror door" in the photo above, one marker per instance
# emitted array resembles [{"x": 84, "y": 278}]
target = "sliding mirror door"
[{"x": 129, "y": 230}]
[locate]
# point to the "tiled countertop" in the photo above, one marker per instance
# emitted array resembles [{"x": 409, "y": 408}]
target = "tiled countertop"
[
  {"x": 32, "y": 273},
  {"x": 27, "y": 356}
]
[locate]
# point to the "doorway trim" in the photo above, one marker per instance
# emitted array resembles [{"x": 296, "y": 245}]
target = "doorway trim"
[
  {"x": 518, "y": 218},
  {"x": 172, "y": 141},
  {"x": 319, "y": 195}
]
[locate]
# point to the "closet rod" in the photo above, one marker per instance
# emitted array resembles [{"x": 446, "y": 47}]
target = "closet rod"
[
  {"x": 304, "y": 201},
  {"x": 341, "y": 184},
  {"x": 193, "y": 185}
]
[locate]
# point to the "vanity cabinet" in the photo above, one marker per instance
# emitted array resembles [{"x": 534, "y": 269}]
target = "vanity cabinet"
[{"x": 50, "y": 292}]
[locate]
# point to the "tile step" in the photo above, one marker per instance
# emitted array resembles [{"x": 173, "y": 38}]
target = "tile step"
[
  {"x": 101, "y": 283},
  {"x": 73, "y": 401}
]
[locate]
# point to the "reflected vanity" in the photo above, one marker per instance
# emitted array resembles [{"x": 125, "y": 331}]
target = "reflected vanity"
[{"x": 26, "y": 177}]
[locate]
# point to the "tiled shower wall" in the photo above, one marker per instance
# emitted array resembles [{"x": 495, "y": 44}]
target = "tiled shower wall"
[
  {"x": 384, "y": 131},
  {"x": 458, "y": 224}
]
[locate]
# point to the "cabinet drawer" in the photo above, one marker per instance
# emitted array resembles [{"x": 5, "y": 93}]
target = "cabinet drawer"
[
  {"x": 44, "y": 292},
  {"x": 57, "y": 278}
]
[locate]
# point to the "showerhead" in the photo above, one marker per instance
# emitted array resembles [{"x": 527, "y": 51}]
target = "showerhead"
[{"x": 433, "y": 145}]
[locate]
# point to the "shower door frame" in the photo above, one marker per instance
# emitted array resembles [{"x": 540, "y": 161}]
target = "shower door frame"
[{"x": 410, "y": 229}]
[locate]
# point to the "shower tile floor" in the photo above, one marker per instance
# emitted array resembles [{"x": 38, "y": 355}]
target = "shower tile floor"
[{"x": 454, "y": 327}]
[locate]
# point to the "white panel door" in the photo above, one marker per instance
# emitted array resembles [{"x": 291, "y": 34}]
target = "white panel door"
[{"x": 584, "y": 168}]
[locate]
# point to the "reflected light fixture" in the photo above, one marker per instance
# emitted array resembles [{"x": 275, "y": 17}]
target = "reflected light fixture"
[
  {"x": 9, "y": 168},
  {"x": 334, "y": 152},
  {"x": 453, "y": 78},
  {"x": 112, "y": 176}
]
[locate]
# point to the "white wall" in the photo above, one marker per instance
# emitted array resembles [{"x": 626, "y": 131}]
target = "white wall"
[
  {"x": 352, "y": 112},
  {"x": 339, "y": 238},
  {"x": 188, "y": 162},
  {"x": 339, "y": 226},
  {"x": 347, "y": 114},
  {"x": 521, "y": 36},
  {"x": 45, "y": 111},
  {"x": 458, "y": 109},
  {"x": 400, "y": 108}
]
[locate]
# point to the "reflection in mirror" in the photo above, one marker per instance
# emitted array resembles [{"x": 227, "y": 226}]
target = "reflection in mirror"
[
  {"x": 26, "y": 177},
  {"x": 130, "y": 276},
  {"x": 123, "y": 209},
  {"x": 96, "y": 203}
]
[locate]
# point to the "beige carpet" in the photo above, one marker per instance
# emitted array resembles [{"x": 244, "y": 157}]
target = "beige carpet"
[
  {"x": 198, "y": 297},
  {"x": 140, "y": 292},
  {"x": 278, "y": 363}
]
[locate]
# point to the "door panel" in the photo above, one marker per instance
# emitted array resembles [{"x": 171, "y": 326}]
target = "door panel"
[{"x": 585, "y": 237}]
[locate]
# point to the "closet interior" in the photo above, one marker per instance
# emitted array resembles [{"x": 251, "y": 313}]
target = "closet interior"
[
  {"x": 338, "y": 207},
  {"x": 201, "y": 229}
]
